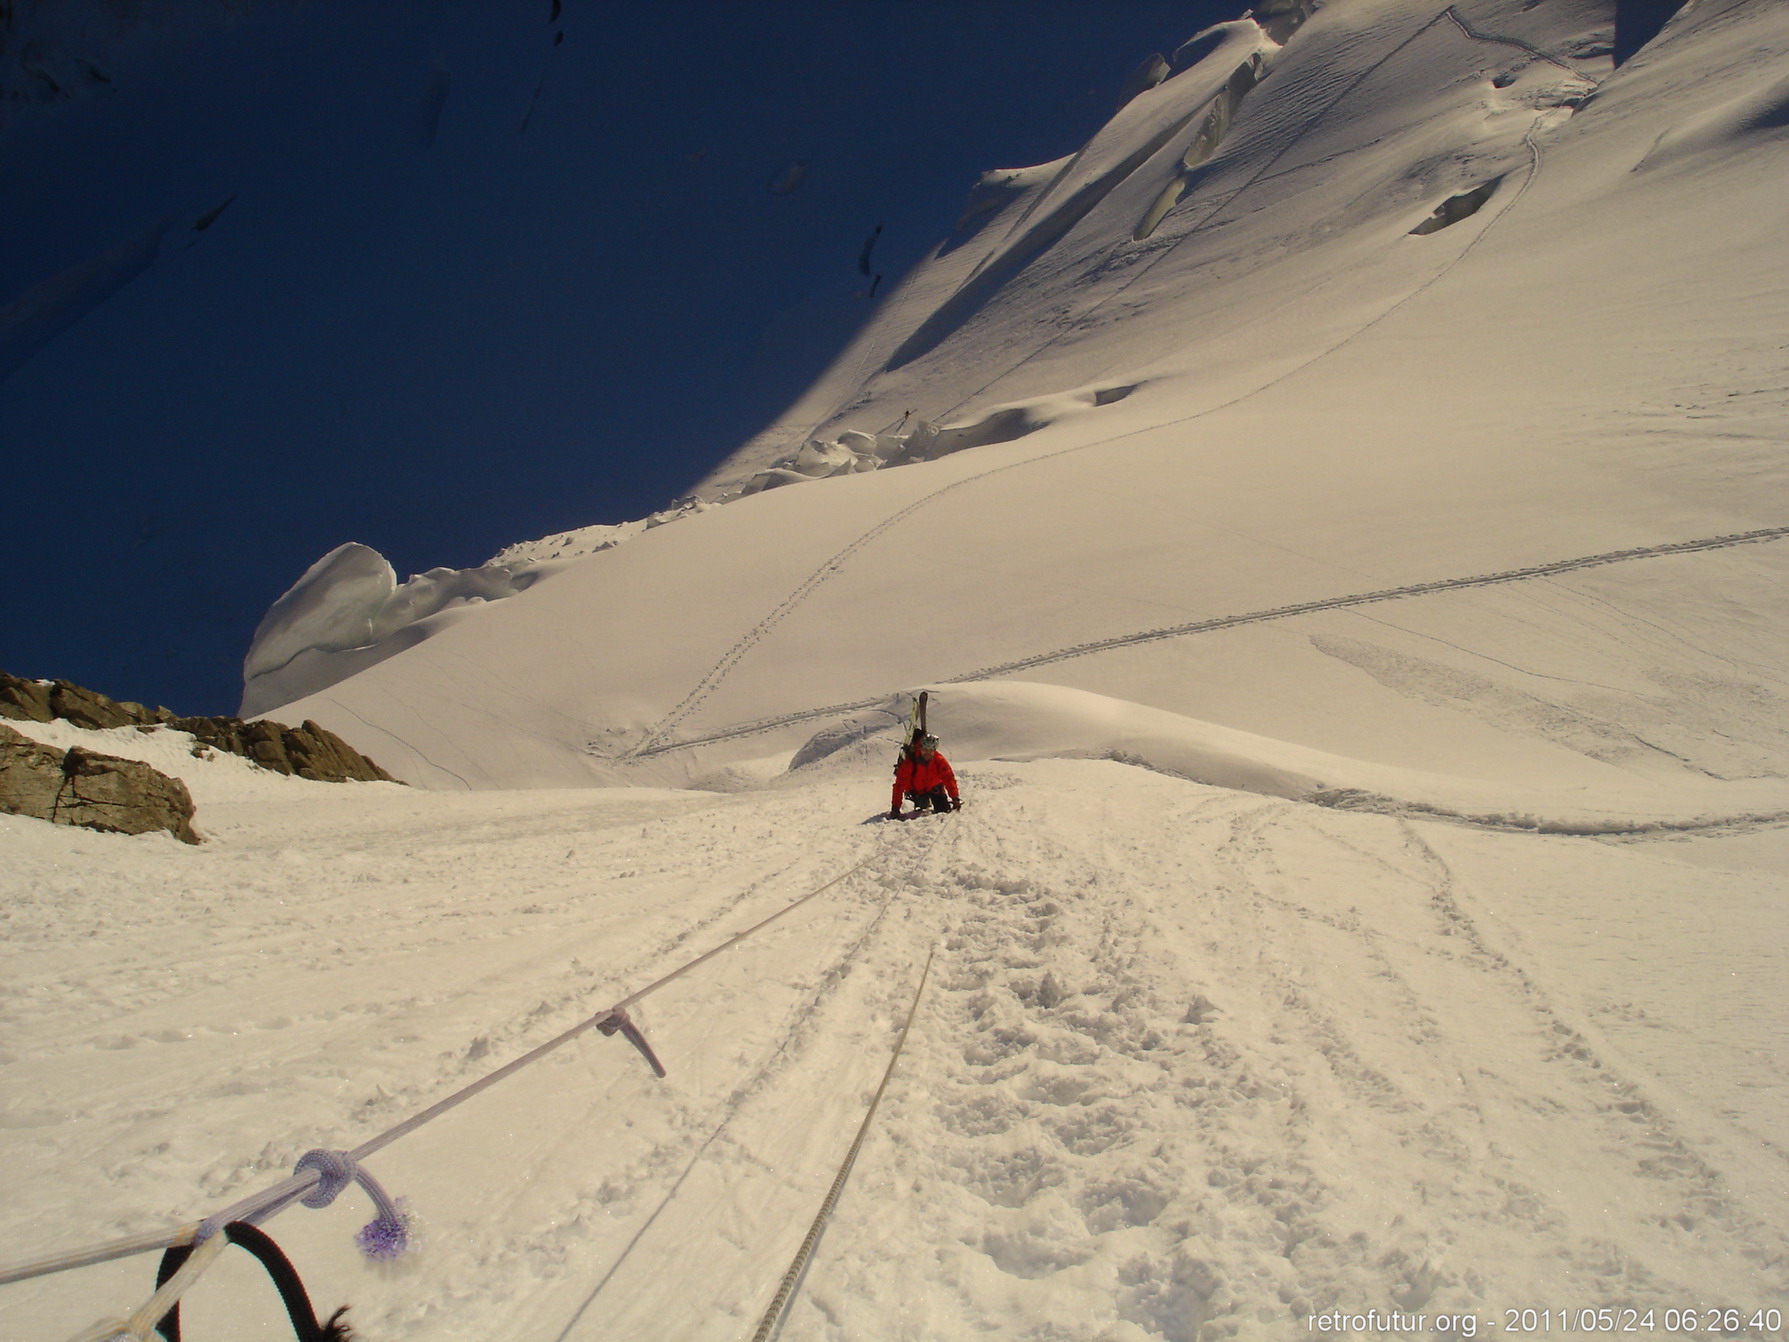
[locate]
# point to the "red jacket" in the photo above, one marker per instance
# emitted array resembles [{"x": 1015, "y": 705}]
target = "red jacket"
[{"x": 913, "y": 774}]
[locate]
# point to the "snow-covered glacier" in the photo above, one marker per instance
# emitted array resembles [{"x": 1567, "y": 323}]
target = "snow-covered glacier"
[
  {"x": 1341, "y": 519},
  {"x": 1353, "y": 299}
]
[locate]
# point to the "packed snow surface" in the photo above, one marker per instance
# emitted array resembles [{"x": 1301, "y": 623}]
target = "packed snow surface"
[
  {"x": 1339, "y": 513},
  {"x": 1192, "y": 1062}
]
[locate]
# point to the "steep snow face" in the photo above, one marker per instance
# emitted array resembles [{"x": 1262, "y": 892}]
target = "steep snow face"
[
  {"x": 1404, "y": 386},
  {"x": 1258, "y": 177}
]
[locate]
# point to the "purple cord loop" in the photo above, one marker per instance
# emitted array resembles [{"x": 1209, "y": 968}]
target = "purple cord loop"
[
  {"x": 388, "y": 1234},
  {"x": 335, "y": 1171}
]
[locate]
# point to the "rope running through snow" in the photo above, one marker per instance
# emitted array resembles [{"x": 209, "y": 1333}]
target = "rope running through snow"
[
  {"x": 271, "y": 1201},
  {"x": 773, "y": 1316}
]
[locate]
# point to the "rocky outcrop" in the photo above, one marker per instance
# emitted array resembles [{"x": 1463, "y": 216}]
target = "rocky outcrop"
[
  {"x": 53, "y": 700},
  {"x": 79, "y": 787},
  {"x": 308, "y": 751}
]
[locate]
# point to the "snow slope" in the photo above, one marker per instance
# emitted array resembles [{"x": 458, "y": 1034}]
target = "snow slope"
[
  {"x": 1358, "y": 619},
  {"x": 1194, "y": 1062},
  {"x": 1323, "y": 410}
]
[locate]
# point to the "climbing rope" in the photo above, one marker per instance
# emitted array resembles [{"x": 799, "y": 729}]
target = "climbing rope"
[
  {"x": 320, "y": 1175},
  {"x": 139, "y": 1325},
  {"x": 773, "y": 1315}
]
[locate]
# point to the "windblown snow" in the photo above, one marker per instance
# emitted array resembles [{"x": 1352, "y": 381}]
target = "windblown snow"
[{"x": 1339, "y": 514}]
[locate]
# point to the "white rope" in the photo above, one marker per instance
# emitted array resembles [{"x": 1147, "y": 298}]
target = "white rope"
[
  {"x": 142, "y": 1323},
  {"x": 271, "y": 1201},
  {"x": 773, "y": 1315},
  {"x": 103, "y": 1253}
]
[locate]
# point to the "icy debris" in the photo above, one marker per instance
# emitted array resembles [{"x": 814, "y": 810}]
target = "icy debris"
[
  {"x": 1279, "y": 19},
  {"x": 1211, "y": 132},
  {"x": 855, "y": 451},
  {"x": 569, "y": 544},
  {"x": 583, "y": 541}
]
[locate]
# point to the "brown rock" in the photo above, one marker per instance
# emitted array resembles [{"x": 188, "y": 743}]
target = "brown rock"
[
  {"x": 85, "y": 708},
  {"x": 309, "y": 751},
  {"x": 79, "y": 787},
  {"x": 25, "y": 700}
]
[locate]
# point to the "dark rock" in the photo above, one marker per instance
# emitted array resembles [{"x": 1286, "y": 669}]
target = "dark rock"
[
  {"x": 85, "y": 708},
  {"x": 309, "y": 751},
  {"x": 48, "y": 700},
  {"x": 79, "y": 787},
  {"x": 25, "y": 700}
]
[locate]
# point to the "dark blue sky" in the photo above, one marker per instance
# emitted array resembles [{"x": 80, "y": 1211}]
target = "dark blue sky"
[{"x": 440, "y": 313}]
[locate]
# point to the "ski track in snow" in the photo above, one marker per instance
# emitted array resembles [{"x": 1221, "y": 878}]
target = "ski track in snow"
[
  {"x": 647, "y": 749},
  {"x": 1194, "y": 1064}
]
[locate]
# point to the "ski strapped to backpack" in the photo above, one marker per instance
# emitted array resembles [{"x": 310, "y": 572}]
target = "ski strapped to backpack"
[
  {"x": 916, "y": 719},
  {"x": 918, "y": 750}
]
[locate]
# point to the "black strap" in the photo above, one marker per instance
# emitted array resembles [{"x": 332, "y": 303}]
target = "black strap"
[{"x": 285, "y": 1278}]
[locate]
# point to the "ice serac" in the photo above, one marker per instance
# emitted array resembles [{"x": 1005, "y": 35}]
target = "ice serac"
[{"x": 348, "y": 612}]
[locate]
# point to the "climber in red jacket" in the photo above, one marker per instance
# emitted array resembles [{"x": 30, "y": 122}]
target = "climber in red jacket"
[{"x": 925, "y": 776}]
